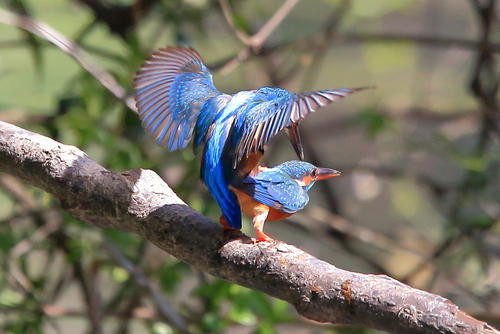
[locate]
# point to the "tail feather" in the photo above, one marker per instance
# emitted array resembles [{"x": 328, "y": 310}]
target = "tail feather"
[{"x": 226, "y": 199}]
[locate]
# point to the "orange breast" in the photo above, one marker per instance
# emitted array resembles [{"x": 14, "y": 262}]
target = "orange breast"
[
  {"x": 275, "y": 214},
  {"x": 251, "y": 207}
]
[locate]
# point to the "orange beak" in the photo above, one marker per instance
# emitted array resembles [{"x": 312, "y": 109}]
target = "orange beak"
[{"x": 326, "y": 173}]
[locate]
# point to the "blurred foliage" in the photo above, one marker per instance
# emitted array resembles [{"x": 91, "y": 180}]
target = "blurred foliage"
[{"x": 417, "y": 165}]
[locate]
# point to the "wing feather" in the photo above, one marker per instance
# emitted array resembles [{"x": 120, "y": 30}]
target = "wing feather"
[
  {"x": 275, "y": 115},
  {"x": 170, "y": 89},
  {"x": 277, "y": 190}
]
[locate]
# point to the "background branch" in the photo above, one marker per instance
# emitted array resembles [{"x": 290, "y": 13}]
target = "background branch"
[
  {"x": 163, "y": 306},
  {"x": 69, "y": 47}
]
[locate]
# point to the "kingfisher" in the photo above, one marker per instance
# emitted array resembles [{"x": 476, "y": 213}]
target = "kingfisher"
[
  {"x": 177, "y": 100},
  {"x": 271, "y": 194}
]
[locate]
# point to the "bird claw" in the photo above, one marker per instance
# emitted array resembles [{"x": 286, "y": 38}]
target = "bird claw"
[{"x": 262, "y": 237}]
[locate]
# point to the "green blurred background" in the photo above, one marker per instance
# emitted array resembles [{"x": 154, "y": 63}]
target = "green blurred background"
[{"x": 420, "y": 155}]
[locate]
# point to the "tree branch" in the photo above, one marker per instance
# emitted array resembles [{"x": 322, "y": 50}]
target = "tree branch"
[{"x": 140, "y": 202}]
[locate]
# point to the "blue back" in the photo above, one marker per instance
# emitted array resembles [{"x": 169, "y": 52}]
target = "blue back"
[
  {"x": 214, "y": 174},
  {"x": 216, "y": 168},
  {"x": 206, "y": 118}
]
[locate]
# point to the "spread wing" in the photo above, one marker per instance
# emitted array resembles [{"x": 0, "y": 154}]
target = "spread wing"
[
  {"x": 170, "y": 89},
  {"x": 277, "y": 190},
  {"x": 268, "y": 118}
]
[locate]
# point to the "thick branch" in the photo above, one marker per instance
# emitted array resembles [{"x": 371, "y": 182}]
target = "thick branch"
[{"x": 139, "y": 201}]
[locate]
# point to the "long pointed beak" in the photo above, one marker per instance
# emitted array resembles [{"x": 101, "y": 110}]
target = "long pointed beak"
[
  {"x": 294, "y": 136},
  {"x": 326, "y": 173}
]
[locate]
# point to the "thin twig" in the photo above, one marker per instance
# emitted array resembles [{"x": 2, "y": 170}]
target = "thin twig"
[
  {"x": 228, "y": 15},
  {"x": 313, "y": 41},
  {"x": 68, "y": 46},
  {"x": 354, "y": 231},
  {"x": 255, "y": 42},
  {"x": 163, "y": 306},
  {"x": 61, "y": 240},
  {"x": 258, "y": 39}
]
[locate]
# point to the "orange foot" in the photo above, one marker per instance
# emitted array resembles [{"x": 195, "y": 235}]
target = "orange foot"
[{"x": 262, "y": 236}]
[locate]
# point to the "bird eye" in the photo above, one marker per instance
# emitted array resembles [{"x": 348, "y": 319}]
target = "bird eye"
[{"x": 314, "y": 173}]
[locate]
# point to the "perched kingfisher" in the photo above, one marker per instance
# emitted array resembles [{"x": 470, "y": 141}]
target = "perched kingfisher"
[
  {"x": 275, "y": 193},
  {"x": 176, "y": 100}
]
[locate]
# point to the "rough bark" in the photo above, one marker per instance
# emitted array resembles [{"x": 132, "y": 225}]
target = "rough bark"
[{"x": 139, "y": 201}]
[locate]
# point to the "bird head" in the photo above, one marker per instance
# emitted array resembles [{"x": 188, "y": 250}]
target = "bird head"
[{"x": 306, "y": 174}]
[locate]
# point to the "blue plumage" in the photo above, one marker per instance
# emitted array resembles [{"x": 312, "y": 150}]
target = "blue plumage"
[
  {"x": 277, "y": 190},
  {"x": 273, "y": 109},
  {"x": 171, "y": 88},
  {"x": 176, "y": 98},
  {"x": 207, "y": 117},
  {"x": 281, "y": 187}
]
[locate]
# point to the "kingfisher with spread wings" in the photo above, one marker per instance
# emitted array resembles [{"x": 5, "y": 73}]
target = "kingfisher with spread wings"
[{"x": 177, "y": 100}]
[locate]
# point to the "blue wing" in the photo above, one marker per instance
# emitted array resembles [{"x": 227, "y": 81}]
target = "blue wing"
[
  {"x": 277, "y": 190},
  {"x": 171, "y": 87},
  {"x": 273, "y": 110}
]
